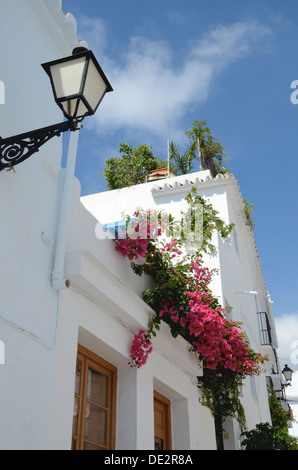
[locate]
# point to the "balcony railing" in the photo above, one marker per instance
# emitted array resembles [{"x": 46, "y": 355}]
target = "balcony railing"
[{"x": 265, "y": 329}]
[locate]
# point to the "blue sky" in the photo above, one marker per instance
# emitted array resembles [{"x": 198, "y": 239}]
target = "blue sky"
[{"x": 227, "y": 61}]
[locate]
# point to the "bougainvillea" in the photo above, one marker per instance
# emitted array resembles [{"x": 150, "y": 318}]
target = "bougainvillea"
[
  {"x": 140, "y": 349},
  {"x": 183, "y": 299},
  {"x": 143, "y": 227}
]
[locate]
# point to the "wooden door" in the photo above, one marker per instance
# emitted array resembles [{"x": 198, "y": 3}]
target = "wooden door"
[
  {"x": 95, "y": 403},
  {"x": 162, "y": 422}
]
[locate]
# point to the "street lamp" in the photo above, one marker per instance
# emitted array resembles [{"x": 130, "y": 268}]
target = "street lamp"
[
  {"x": 79, "y": 85},
  {"x": 288, "y": 373}
]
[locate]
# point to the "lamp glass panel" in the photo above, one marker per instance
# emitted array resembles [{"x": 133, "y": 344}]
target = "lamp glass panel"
[
  {"x": 67, "y": 77},
  {"x": 69, "y": 107},
  {"x": 288, "y": 375},
  {"x": 95, "y": 86}
]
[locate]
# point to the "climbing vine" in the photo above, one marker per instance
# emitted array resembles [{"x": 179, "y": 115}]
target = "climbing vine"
[
  {"x": 279, "y": 416},
  {"x": 248, "y": 208},
  {"x": 211, "y": 221},
  {"x": 221, "y": 391},
  {"x": 182, "y": 298}
]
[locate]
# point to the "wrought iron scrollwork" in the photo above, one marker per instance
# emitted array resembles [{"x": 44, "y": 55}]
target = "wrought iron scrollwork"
[{"x": 16, "y": 149}]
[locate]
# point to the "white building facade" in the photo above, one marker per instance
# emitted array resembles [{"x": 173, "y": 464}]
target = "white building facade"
[
  {"x": 239, "y": 283},
  {"x": 64, "y": 353}
]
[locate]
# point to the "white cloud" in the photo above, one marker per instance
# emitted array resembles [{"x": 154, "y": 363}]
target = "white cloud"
[
  {"x": 152, "y": 91},
  {"x": 94, "y": 31},
  {"x": 287, "y": 334},
  {"x": 221, "y": 46},
  {"x": 292, "y": 391}
]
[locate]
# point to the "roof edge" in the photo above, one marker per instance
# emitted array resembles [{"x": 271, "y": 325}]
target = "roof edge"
[{"x": 66, "y": 23}]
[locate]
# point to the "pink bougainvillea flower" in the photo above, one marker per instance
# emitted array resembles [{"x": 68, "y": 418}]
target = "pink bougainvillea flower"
[{"x": 217, "y": 341}]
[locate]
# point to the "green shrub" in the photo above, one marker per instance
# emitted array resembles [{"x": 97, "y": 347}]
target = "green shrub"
[{"x": 267, "y": 437}]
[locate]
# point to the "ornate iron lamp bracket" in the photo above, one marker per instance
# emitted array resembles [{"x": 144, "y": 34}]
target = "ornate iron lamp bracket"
[{"x": 16, "y": 149}]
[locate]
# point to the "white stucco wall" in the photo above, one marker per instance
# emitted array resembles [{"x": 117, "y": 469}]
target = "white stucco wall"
[
  {"x": 236, "y": 261},
  {"x": 168, "y": 370},
  {"x": 40, "y": 327},
  {"x": 32, "y": 32},
  {"x": 101, "y": 312}
]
